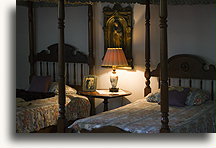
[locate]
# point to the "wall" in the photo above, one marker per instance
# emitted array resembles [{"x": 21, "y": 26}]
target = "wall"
[
  {"x": 191, "y": 30},
  {"x": 131, "y": 80},
  {"x": 22, "y": 50},
  {"x": 76, "y": 20},
  {"x": 76, "y": 27}
]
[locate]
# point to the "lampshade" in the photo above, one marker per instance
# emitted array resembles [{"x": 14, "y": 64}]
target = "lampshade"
[{"x": 114, "y": 57}]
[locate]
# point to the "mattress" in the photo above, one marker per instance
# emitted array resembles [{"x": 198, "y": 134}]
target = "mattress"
[
  {"x": 144, "y": 117},
  {"x": 37, "y": 114}
]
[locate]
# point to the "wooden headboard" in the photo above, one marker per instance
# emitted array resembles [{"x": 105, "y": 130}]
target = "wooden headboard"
[
  {"x": 76, "y": 64},
  {"x": 188, "y": 66},
  {"x": 185, "y": 66},
  {"x": 71, "y": 55}
]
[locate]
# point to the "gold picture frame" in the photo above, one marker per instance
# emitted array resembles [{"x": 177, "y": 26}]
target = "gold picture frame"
[
  {"x": 118, "y": 30},
  {"x": 89, "y": 83}
]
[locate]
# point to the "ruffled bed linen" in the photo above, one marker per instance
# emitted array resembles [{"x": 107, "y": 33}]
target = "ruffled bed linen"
[
  {"x": 144, "y": 117},
  {"x": 37, "y": 114}
]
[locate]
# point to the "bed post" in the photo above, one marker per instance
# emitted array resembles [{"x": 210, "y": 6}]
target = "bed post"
[
  {"x": 147, "y": 89},
  {"x": 164, "y": 67},
  {"x": 61, "y": 68},
  {"x": 31, "y": 19},
  {"x": 90, "y": 39}
]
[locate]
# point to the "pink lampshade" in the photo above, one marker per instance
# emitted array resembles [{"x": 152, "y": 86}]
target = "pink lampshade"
[{"x": 114, "y": 57}]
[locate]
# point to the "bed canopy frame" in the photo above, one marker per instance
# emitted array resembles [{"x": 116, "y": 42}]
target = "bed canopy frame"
[{"x": 162, "y": 70}]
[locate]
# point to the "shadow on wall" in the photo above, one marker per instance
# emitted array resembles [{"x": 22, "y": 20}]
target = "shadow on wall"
[
  {"x": 113, "y": 103},
  {"x": 125, "y": 101}
]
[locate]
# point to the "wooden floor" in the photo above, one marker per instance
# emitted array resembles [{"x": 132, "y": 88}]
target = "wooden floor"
[{"x": 52, "y": 129}]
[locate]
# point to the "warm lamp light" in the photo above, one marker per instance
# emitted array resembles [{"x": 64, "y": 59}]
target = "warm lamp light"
[{"x": 114, "y": 57}]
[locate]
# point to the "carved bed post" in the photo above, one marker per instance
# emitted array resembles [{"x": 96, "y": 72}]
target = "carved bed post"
[
  {"x": 90, "y": 39},
  {"x": 147, "y": 89},
  {"x": 164, "y": 67},
  {"x": 31, "y": 18},
  {"x": 61, "y": 68}
]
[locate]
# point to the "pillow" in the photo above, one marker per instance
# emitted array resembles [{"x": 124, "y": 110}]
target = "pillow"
[
  {"x": 155, "y": 97},
  {"x": 19, "y": 100},
  {"x": 197, "y": 97},
  {"x": 177, "y": 97},
  {"x": 40, "y": 84},
  {"x": 29, "y": 96},
  {"x": 178, "y": 88},
  {"x": 54, "y": 88},
  {"x": 22, "y": 103}
]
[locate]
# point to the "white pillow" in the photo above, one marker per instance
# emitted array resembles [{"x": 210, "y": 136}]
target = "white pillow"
[
  {"x": 19, "y": 100},
  {"x": 54, "y": 88}
]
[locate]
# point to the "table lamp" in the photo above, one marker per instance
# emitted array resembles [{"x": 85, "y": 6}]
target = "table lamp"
[{"x": 114, "y": 57}]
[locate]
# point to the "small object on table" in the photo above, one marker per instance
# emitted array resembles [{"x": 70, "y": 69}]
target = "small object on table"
[
  {"x": 90, "y": 83},
  {"x": 104, "y": 94}
]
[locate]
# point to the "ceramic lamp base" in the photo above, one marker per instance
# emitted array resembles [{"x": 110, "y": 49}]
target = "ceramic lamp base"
[
  {"x": 114, "y": 89},
  {"x": 114, "y": 80}
]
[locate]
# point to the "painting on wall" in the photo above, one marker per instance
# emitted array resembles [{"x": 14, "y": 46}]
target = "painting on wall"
[{"x": 118, "y": 30}]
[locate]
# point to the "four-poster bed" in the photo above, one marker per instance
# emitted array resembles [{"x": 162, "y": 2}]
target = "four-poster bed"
[
  {"x": 40, "y": 109},
  {"x": 163, "y": 73},
  {"x": 142, "y": 116},
  {"x": 70, "y": 72}
]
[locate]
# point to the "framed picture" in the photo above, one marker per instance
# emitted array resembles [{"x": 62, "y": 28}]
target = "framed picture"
[
  {"x": 89, "y": 83},
  {"x": 118, "y": 30}
]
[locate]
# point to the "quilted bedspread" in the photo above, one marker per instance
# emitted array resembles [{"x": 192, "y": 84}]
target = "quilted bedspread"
[
  {"x": 37, "y": 114},
  {"x": 144, "y": 117}
]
